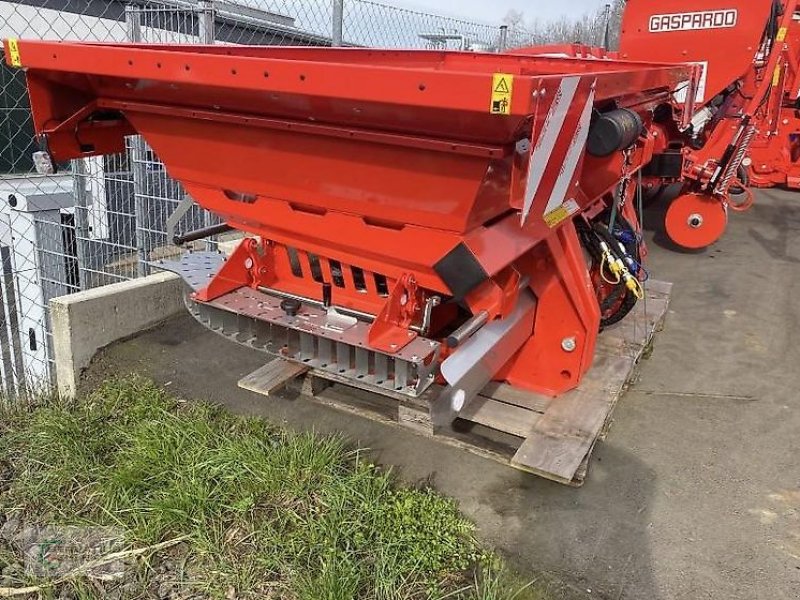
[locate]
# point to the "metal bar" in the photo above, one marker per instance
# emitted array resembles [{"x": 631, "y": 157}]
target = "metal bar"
[
  {"x": 337, "y": 28},
  {"x": 468, "y": 329},
  {"x": 310, "y": 301},
  {"x": 138, "y": 151},
  {"x": 81, "y": 219},
  {"x": 17, "y": 373},
  {"x": 362, "y": 362},
  {"x": 325, "y": 351},
  {"x": 430, "y": 304},
  {"x": 472, "y": 367},
  {"x": 199, "y": 234},
  {"x": 345, "y": 311},
  {"x": 342, "y": 357},
  {"x": 180, "y": 211},
  {"x": 306, "y": 346},
  {"x": 381, "y": 368}
]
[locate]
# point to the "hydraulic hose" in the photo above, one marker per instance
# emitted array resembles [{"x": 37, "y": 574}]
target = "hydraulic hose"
[{"x": 619, "y": 303}]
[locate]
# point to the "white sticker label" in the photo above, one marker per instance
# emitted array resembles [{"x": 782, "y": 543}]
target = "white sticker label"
[{"x": 690, "y": 21}]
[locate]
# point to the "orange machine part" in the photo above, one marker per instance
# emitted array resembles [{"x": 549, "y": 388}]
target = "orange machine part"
[
  {"x": 695, "y": 221},
  {"x": 679, "y": 31},
  {"x": 383, "y": 172}
]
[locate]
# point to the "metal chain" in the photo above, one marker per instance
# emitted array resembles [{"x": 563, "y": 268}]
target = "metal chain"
[{"x": 622, "y": 188}]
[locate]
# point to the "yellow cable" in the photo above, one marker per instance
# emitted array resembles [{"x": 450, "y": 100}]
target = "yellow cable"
[
  {"x": 603, "y": 265},
  {"x": 631, "y": 282},
  {"x": 635, "y": 286}
]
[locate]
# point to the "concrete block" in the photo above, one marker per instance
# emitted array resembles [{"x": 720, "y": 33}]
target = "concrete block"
[
  {"x": 87, "y": 321},
  {"x": 228, "y": 245}
]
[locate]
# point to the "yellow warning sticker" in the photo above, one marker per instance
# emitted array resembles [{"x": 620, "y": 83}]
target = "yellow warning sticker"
[
  {"x": 776, "y": 76},
  {"x": 13, "y": 53},
  {"x": 502, "y": 91},
  {"x": 561, "y": 214},
  {"x": 782, "y": 34}
]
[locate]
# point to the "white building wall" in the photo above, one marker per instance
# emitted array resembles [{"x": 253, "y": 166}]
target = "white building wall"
[{"x": 33, "y": 22}]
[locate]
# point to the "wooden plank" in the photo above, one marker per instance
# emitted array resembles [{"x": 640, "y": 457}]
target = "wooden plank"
[
  {"x": 638, "y": 328},
  {"x": 656, "y": 288},
  {"x": 564, "y": 435},
  {"x": 341, "y": 398},
  {"x": 657, "y": 322},
  {"x": 500, "y": 416},
  {"x": 503, "y": 392},
  {"x": 432, "y": 392},
  {"x": 272, "y": 377},
  {"x": 368, "y": 406},
  {"x": 562, "y": 440},
  {"x": 559, "y": 435}
]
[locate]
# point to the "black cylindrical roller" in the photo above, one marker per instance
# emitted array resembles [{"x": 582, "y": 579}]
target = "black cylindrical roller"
[
  {"x": 199, "y": 234},
  {"x": 613, "y": 131}
]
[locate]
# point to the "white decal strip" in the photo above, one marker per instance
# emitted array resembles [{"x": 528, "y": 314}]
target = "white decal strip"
[
  {"x": 567, "y": 174},
  {"x": 548, "y": 137}
]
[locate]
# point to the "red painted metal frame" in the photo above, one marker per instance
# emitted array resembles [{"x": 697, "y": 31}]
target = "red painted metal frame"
[
  {"x": 761, "y": 87},
  {"x": 727, "y": 51},
  {"x": 775, "y": 151},
  {"x": 367, "y": 166}
]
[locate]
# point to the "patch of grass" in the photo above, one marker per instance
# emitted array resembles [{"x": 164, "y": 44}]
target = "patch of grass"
[{"x": 264, "y": 511}]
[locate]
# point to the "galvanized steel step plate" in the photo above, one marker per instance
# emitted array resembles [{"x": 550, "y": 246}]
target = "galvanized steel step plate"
[
  {"x": 196, "y": 268},
  {"x": 313, "y": 337}
]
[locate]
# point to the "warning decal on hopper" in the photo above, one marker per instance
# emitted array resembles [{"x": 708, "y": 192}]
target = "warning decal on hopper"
[
  {"x": 13, "y": 52},
  {"x": 502, "y": 89}
]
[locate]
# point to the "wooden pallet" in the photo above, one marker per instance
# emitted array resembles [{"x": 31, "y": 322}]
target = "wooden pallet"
[{"x": 552, "y": 438}]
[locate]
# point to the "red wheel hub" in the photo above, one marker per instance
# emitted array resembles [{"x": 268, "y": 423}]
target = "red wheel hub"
[{"x": 696, "y": 221}]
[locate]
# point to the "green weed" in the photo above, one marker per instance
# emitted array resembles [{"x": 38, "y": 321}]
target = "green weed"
[{"x": 264, "y": 511}]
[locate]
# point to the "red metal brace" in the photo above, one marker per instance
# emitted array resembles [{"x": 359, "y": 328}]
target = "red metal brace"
[
  {"x": 245, "y": 267},
  {"x": 391, "y": 330}
]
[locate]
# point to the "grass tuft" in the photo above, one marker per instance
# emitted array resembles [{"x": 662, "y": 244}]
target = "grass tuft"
[{"x": 264, "y": 511}]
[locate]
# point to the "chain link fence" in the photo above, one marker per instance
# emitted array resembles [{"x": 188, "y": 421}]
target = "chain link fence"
[{"x": 102, "y": 220}]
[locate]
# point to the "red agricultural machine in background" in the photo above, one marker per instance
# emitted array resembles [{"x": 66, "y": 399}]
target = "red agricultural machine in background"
[
  {"x": 746, "y": 126},
  {"x": 746, "y": 129},
  {"x": 418, "y": 216},
  {"x": 774, "y": 157}
]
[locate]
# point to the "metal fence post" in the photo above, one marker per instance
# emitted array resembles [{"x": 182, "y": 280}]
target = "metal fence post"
[
  {"x": 605, "y": 43},
  {"x": 207, "y": 33},
  {"x": 338, "y": 23},
  {"x": 205, "y": 25},
  {"x": 502, "y": 45},
  {"x": 133, "y": 22},
  {"x": 79, "y": 177}
]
